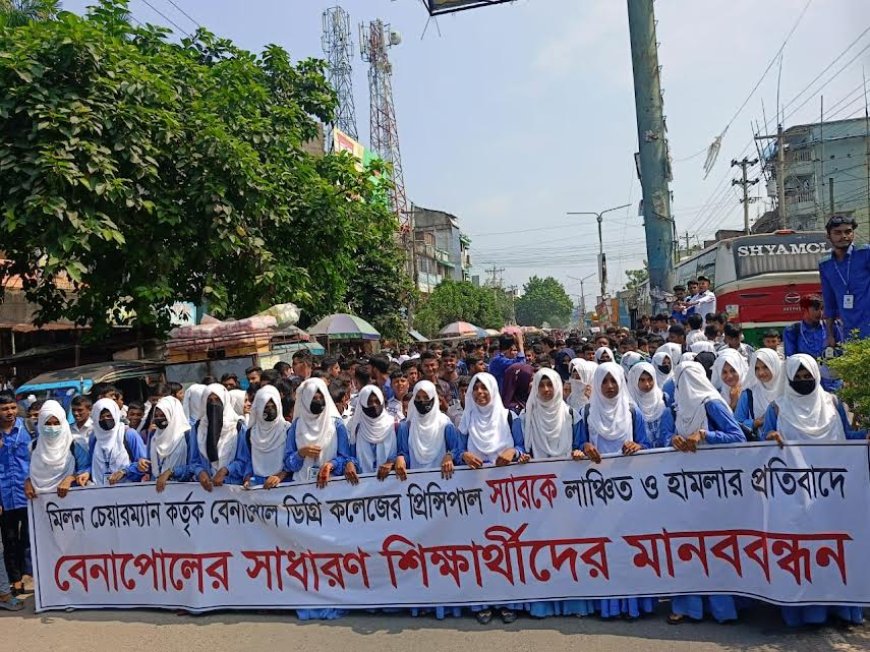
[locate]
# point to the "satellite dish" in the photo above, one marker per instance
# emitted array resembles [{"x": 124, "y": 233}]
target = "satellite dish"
[{"x": 395, "y": 38}]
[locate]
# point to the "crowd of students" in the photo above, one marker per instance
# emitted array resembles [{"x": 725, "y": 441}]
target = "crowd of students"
[{"x": 665, "y": 385}]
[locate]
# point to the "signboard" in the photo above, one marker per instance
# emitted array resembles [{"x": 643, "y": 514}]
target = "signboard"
[
  {"x": 751, "y": 519},
  {"x": 437, "y": 7}
]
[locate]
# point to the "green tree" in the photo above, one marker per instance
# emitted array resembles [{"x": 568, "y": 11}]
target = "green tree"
[
  {"x": 544, "y": 300},
  {"x": 145, "y": 171},
  {"x": 458, "y": 301},
  {"x": 854, "y": 368},
  {"x": 14, "y": 13},
  {"x": 636, "y": 277}
]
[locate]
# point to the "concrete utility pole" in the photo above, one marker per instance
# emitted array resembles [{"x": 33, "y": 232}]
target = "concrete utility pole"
[
  {"x": 655, "y": 170},
  {"x": 746, "y": 183}
]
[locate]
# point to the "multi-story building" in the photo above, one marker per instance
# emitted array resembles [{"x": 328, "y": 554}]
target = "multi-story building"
[
  {"x": 441, "y": 249},
  {"x": 825, "y": 172}
]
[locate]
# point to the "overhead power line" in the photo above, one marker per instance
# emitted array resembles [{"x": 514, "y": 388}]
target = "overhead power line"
[{"x": 167, "y": 18}]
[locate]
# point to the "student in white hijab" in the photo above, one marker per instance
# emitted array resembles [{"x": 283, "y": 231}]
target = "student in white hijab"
[
  {"x": 192, "y": 403},
  {"x": 485, "y": 437},
  {"x": 58, "y": 461},
  {"x": 647, "y": 397},
  {"x": 115, "y": 449},
  {"x": 427, "y": 439},
  {"x": 217, "y": 436},
  {"x": 485, "y": 429},
  {"x": 548, "y": 427},
  {"x": 372, "y": 433},
  {"x": 580, "y": 382},
  {"x": 665, "y": 361},
  {"x": 764, "y": 384},
  {"x": 805, "y": 412},
  {"x": 629, "y": 359},
  {"x": 702, "y": 345},
  {"x": 238, "y": 399},
  {"x": 703, "y": 418},
  {"x": 729, "y": 376},
  {"x": 317, "y": 443},
  {"x": 172, "y": 447},
  {"x": 604, "y": 354},
  {"x": 610, "y": 424},
  {"x": 260, "y": 457}
]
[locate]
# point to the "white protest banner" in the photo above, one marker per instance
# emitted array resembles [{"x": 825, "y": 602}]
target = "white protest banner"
[{"x": 785, "y": 525}]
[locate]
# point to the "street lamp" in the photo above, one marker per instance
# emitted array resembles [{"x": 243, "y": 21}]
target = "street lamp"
[
  {"x": 602, "y": 271},
  {"x": 582, "y": 295}
]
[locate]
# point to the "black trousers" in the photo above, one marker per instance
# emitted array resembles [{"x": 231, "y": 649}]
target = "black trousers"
[{"x": 16, "y": 540}]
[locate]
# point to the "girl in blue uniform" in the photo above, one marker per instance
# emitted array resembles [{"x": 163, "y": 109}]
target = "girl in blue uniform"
[
  {"x": 173, "y": 446},
  {"x": 115, "y": 449},
  {"x": 762, "y": 388},
  {"x": 647, "y": 397},
  {"x": 260, "y": 457},
  {"x": 372, "y": 433}
]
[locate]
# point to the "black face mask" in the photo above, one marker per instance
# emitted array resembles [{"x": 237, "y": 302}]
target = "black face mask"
[
  {"x": 161, "y": 423},
  {"x": 317, "y": 407},
  {"x": 424, "y": 407},
  {"x": 107, "y": 424},
  {"x": 664, "y": 369},
  {"x": 214, "y": 412},
  {"x": 270, "y": 412},
  {"x": 803, "y": 387},
  {"x": 373, "y": 412}
]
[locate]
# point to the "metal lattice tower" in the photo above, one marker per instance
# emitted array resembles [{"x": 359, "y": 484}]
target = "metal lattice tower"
[
  {"x": 337, "y": 44},
  {"x": 375, "y": 39}
]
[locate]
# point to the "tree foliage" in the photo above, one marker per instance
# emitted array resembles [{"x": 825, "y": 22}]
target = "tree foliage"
[
  {"x": 146, "y": 171},
  {"x": 544, "y": 300},
  {"x": 14, "y": 13},
  {"x": 854, "y": 368},
  {"x": 637, "y": 277},
  {"x": 458, "y": 301}
]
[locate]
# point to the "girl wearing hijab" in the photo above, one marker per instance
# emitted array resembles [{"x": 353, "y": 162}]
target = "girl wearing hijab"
[
  {"x": 807, "y": 413},
  {"x": 58, "y": 460},
  {"x": 172, "y": 447},
  {"x": 647, "y": 397},
  {"x": 428, "y": 440},
  {"x": 485, "y": 437},
  {"x": 703, "y": 417},
  {"x": 665, "y": 361},
  {"x": 729, "y": 376},
  {"x": 610, "y": 424},
  {"x": 238, "y": 399},
  {"x": 629, "y": 359},
  {"x": 580, "y": 383},
  {"x": 317, "y": 442},
  {"x": 763, "y": 387},
  {"x": 517, "y": 385},
  {"x": 192, "y": 404},
  {"x": 604, "y": 354},
  {"x": 115, "y": 449},
  {"x": 372, "y": 434},
  {"x": 217, "y": 436},
  {"x": 549, "y": 428},
  {"x": 701, "y": 346},
  {"x": 260, "y": 451}
]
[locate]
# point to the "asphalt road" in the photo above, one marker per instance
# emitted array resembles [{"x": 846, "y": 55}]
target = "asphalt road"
[{"x": 137, "y": 630}]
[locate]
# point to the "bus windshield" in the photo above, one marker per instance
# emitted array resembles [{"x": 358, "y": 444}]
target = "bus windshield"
[{"x": 772, "y": 254}]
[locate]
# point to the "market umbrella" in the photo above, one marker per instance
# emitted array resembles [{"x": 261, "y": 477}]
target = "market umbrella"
[
  {"x": 511, "y": 330},
  {"x": 491, "y": 332},
  {"x": 342, "y": 326},
  {"x": 461, "y": 330}
]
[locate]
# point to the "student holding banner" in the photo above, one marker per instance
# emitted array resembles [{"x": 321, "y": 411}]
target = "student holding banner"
[
  {"x": 172, "y": 447},
  {"x": 702, "y": 416},
  {"x": 647, "y": 397},
  {"x": 485, "y": 437},
  {"x": 260, "y": 451},
  {"x": 58, "y": 461},
  {"x": 372, "y": 433},
  {"x": 115, "y": 449}
]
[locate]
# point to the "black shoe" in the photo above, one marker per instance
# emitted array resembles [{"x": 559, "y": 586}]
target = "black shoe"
[
  {"x": 484, "y": 617},
  {"x": 508, "y": 616}
]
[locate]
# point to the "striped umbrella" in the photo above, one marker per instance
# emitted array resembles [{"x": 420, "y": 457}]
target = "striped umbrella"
[{"x": 461, "y": 330}]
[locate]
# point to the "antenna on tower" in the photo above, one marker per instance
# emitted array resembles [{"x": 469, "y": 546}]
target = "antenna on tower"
[
  {"x": 337, "y": 44},
  {"x": 375, "y": 39}
]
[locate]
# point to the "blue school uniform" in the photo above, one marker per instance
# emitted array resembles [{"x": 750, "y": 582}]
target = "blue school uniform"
[
  {"x": 184, "y": 472},
  {"x": 242, "y": 465},
  {"x": 14, "y": 466},
  {"x": 668, "y": 391},
  {"x": 722, "y": 428},
  {"x": 660, "y": 432},
  {"x": 136, "y": 451},
  {"x": 771, "y": 421}
]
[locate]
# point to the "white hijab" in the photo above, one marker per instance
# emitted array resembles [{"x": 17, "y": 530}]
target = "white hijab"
[
  {"x": 702, "y": 345},
  {"x": 110, "y": 454},
  {"x": 548, "y": 430},
  {"x": 169, "y": 446},
  {"x": 807, "y": 418},
  {"x": 600, "y": 351},
  {"x": 763, "y": 394},
  {"x": 426, "y": 431},
  {"x": 487, "y": 427},
  {"x": 652, "y": 403},
  {"x": 267, "y": 437},
  {"x": 585, "y": 369},
  {"x": 52, "y": 460},
  {"x": 192, "y": 401},
  {"x": 629, "y": 359},
  {"x": 315, "y": 429},
  {"x": 658, "y": 359},
  {"x": 695, "y": 337},
  {"x": 379, "y": 432},
  {"x": 693, "y": 393},
  {"x": 736, "y": 362},
  {"x": 609, "y": 422},
  {"x": 237, "y": 400},
  {"x": 226, "y": 444}
]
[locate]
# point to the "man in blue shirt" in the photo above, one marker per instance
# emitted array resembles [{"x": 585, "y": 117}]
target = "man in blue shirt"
[
  {"x": 510, "y": 351},
  {"x": 15, "y": 446},
  {"x": 846, "y": 280},
  {"x": 810, "y": 336}
]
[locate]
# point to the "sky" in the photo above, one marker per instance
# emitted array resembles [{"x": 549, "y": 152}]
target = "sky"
[{"x": 512, "y": 115}]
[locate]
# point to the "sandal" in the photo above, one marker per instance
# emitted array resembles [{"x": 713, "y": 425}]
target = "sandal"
[
  {"x": 508, "y": 616},
  {"x": 675, "y": 619},
  {"x": 484, "y": 617},
  {"x": 12, "y": 604}
]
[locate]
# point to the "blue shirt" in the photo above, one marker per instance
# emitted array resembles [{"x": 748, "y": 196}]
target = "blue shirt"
[
  {"x": 499, "y": 364},
  {"x": 851, "y": 276},
  {"x": 14, "y": 465}
]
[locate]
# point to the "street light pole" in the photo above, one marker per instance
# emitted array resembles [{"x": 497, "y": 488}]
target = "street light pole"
[
  {"x": 602, "y": 272},
  {"x": 582, "y": 296}
]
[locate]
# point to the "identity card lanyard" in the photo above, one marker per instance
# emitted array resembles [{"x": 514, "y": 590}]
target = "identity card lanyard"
[{"x": 848, "y": 298}]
